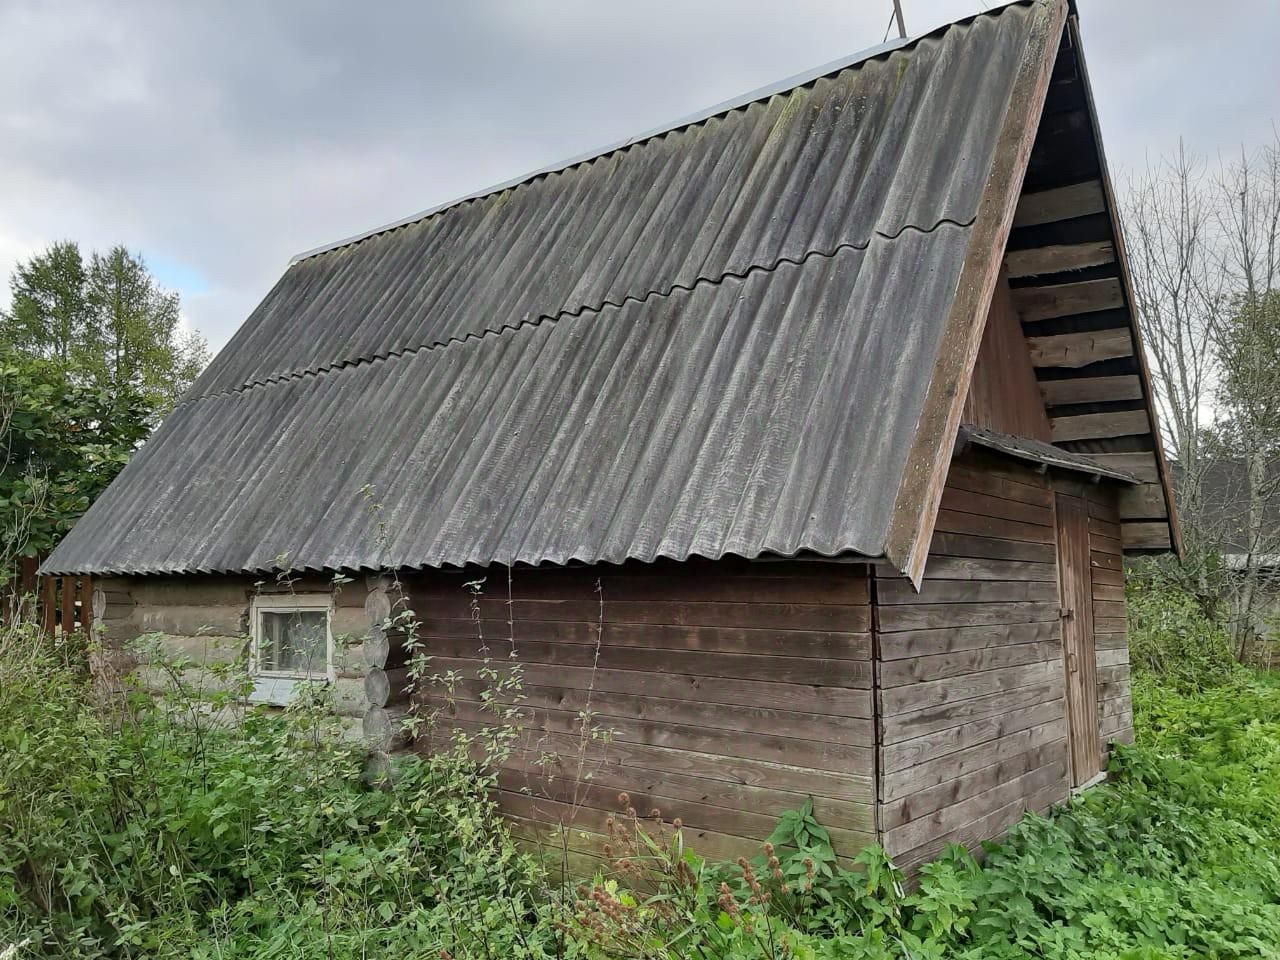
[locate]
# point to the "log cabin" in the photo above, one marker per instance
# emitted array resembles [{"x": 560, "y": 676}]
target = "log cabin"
[{"x": 799, "y": 443}]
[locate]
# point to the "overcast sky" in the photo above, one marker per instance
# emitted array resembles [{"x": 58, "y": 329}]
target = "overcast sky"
[{"x": 220, "y": 139}]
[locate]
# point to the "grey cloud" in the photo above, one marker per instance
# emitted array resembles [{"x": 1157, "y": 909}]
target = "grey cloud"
[{"x": 229, "y": 136}]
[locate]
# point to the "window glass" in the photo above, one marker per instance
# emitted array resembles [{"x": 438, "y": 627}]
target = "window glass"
[{"x": 293, "y": 642}]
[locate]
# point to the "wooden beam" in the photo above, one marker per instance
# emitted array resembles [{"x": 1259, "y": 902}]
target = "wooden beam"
[
  {"x": 1144, "y": 501},
  {"x": 925, "y": 471},
  {"x": 1061, "y": 203},
  {"x": 1059, "y": 393},
  {"x": 1067, "y": 299},
  {"x": 1059, "y": 258},
  {"x": 1108, "y": 192},
  {"x": 1090, "y": 426},
  {"x": 1076, "y": 350},
  {"x": 1140, "y": 465},
  {"x": 1145, "y": 536}
]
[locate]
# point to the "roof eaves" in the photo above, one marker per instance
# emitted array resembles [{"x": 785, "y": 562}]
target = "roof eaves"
[{"x": 915, "y": 508}]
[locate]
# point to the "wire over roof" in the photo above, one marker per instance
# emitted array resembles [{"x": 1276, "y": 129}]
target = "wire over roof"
[{"x": 714, "y": 341}]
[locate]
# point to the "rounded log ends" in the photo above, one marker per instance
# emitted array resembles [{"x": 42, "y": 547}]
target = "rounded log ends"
[
  {"x": 387, "y": 687},
  {"x": 110, "y": 603},
  {"x": 384, "y": 729},
  {"x": 378, "y": 605}
]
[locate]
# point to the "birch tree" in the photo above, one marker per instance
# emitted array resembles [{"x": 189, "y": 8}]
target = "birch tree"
[{"x": 1170, "y": 233}]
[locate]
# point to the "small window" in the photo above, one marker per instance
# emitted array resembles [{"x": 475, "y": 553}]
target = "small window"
[{"x": 291, "y": 641}]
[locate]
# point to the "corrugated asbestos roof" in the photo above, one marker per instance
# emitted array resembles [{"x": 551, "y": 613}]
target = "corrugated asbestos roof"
[{"x": 714, "y": 341}]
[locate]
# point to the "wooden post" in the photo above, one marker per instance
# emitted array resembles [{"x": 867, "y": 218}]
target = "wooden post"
[
  {"x": 48, "y": 604},
  {"x": 86, "y": 605},
  {"x": 67, "y": 603}
]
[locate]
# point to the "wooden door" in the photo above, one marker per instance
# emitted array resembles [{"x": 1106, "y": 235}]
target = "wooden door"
[{"x": 1079, "y": 657}]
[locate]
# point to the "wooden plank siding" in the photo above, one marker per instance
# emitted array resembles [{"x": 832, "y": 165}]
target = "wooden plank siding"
[
  {"x": 1003, "y": 393},
  {"x": 719, "y": 693},
  {"x": 971, "y": 685}
]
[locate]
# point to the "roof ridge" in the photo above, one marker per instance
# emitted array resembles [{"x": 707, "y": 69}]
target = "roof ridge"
[
  {"x": 796, "y": 81},
  {"x": 569, "y": 313}
]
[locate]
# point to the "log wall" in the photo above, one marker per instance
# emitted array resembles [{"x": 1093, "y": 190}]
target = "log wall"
[
  {"x": 719, "y": 693},
  {"x": 204, "y": 621}
]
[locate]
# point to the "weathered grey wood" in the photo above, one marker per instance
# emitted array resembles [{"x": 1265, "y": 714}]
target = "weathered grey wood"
[
  {"x": 1058, "y": 258},
  {"x": 825, "y": 644},
  {"x": 992, "y": 548},
  {"x": 828, "y": 701},
  {"x": 1002, "y": 389},
  {"x": 1109, "y": 657},
  {"x": 192, "y": 621},
  {"x": 1145, "y": 536},
  {"x": 528, "y": 767},
  {"x": 934, "y": 772},
  {"x": 772, "y": 748},
  {"x": 953, "y": 689},
  {"x": 833, "y": 784},
  {"x": 920, "y": 804},
  {"x": 925, "y": 616},
  {"x": 925, "y": 643},
  {"x": 916, "y": 751},
  {"x": 893, "y": 592},
  {"x": 1060, "y": 203},
  {"x": 950, "y": 521},
  {"x": 906, "y": 726},
  {"x": 1074, "y": 350},
  {"x": 384, "y": 728},
  {"x": 1140, "y": 465},
  {"x": 387, "y": 687},
  {"x": 729, "y": 666},
  {"x": 1078, "y": 638},
  {"x": 1058, "y": 393},
  {"x": 1007, "y": 484},
  {"x": 1067, "y": 299},
  {"x": 986, "y": 505},
  {"x": 963, "y": 568},
  {"x": 1089, "y": 426},
  {"x": 898, "y": 673},
  {"x": 741, "y": 718},
  {"x": 955, "y": 816},
  {"x": 1143, "y": 501}
]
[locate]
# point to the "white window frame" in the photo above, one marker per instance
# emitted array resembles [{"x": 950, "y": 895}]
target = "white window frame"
[{"x": 278, "y": 687}]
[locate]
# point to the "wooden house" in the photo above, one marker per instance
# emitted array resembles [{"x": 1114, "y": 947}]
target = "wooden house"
[{"x": 799, "y": 444}]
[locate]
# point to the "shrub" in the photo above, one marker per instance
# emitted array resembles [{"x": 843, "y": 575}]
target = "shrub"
[
  {"x": 148, "y": 829},
  {"x": 146, "y": 832},
  {"x": 1173, "y": 637}
]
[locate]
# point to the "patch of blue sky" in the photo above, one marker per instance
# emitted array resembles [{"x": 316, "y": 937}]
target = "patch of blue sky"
[{"x": 173, "y": 275}]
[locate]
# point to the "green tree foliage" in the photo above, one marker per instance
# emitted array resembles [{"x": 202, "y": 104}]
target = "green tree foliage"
[
  {"x": 105, "y": 322},
  {"x": 63, "y": 442},
  {"x": 92, "y": 355}
]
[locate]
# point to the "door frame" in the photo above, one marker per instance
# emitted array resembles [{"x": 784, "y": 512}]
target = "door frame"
[{"x": 1079, "y": 643}]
